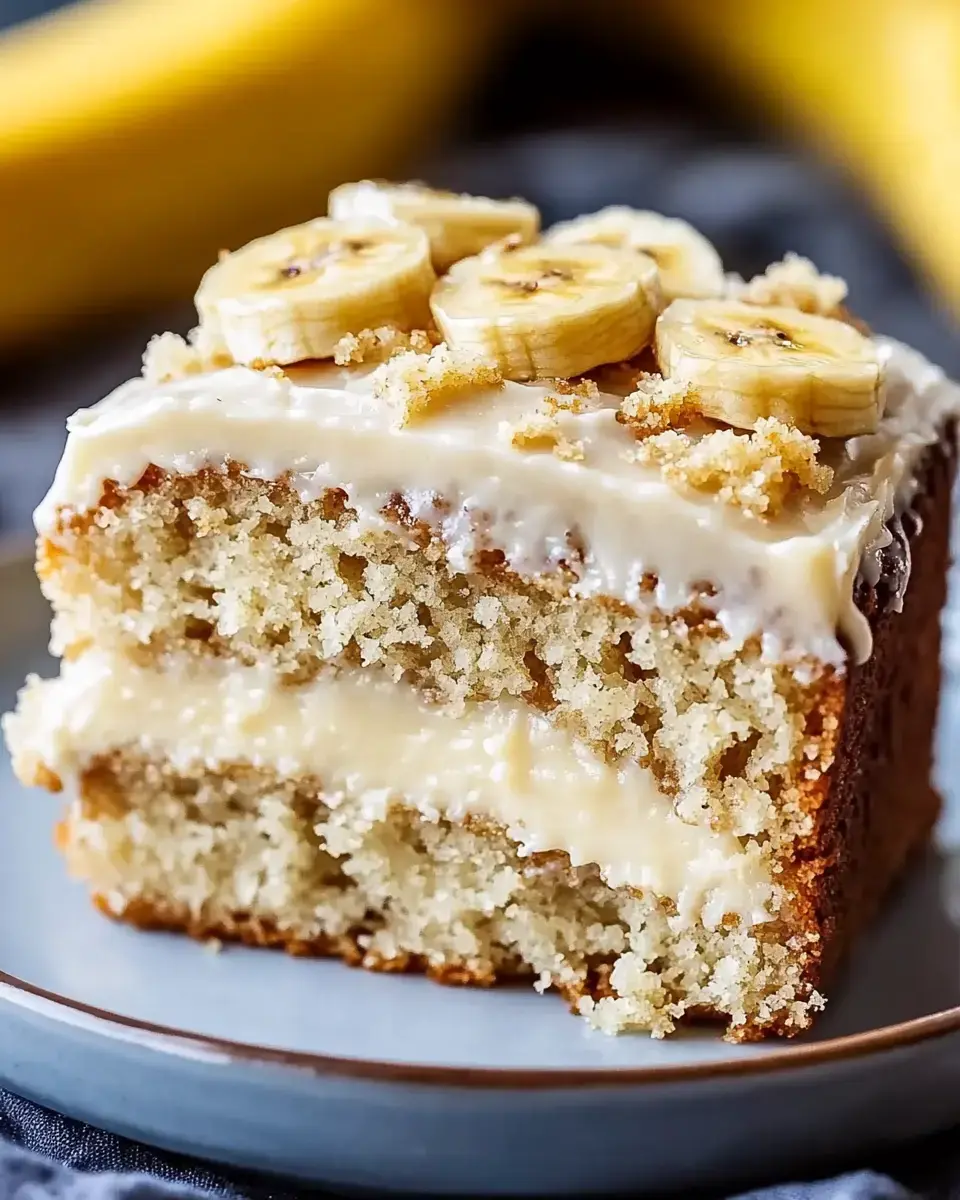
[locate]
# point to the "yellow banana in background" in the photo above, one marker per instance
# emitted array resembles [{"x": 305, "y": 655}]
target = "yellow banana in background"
[
  {"x": 874, "y": 83},
  {"x": 138, "y": 136}
]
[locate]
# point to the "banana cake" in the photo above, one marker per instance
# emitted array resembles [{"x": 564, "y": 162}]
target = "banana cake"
[{"x": 500, "y": 604}]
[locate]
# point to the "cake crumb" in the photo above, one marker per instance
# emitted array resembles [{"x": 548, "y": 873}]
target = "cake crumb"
[
  {"x": 794, "y": 282},
  {"x": 656, "y": 406},
  {"x": 418, "y": 385},
  {"x": 757, "y": 472},
  {"x": 574, "y": 396},
  {"x": 168, "y": 356},
  {"x": 379, "y": 345},
  {"x": 267, "y": 368},
  {"x": 487, "y": 611},
  {"x": 569, "y": 449},
  {"x": 541, "y": 431},
  {"x": 45, "y": 778}
]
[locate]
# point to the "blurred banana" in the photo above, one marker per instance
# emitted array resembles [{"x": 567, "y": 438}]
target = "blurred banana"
[
  {"x": 876, "y": 83},
  {"x": 139, "y": 136}
]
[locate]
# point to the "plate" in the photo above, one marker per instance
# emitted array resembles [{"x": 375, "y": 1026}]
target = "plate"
[{"x": 313, "y": 1070}]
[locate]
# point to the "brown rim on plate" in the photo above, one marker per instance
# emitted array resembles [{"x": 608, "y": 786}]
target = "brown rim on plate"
[{"x": 182, "y": 1041}]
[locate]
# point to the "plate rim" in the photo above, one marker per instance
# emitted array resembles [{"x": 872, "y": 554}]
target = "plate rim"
[
  {"x": 17, "y": 551},
  {"x": 186, "y": 1043}
]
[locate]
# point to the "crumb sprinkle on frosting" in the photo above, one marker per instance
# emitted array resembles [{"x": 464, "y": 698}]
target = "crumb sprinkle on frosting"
[
  {"x": 419, "y": 385},
  {"x": 542, "y": 431},
  {"x": 657, "y": 405},
  {"x": 573, "y": 396},
  {"x": 794, "y": 282},
  {"x": 169, "y": 356},
  {"x": 757, "y": 472}
]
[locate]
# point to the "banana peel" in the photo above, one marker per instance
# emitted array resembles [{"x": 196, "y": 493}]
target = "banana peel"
[{"x": 137, "y": 137}]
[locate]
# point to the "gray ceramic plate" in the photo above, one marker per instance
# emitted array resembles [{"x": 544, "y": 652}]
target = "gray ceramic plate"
[{"x": 314, "y": 1070}]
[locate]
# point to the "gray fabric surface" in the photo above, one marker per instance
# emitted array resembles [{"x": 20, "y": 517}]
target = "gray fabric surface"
[{"x": 755, "y": 204}]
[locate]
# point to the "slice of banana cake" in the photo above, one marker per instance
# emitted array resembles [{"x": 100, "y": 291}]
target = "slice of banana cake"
[{"x": 571, "y": 616}]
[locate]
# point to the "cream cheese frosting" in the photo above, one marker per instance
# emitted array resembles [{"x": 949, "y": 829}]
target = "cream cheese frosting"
[
  {"x": 790, "y": 578},
  {"x": 364, "y": 735}
]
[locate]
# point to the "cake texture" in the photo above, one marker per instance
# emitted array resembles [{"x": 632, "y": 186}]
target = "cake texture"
[{"x": 572, "y": 618}]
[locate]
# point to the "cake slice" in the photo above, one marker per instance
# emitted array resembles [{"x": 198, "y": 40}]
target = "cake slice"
[{"x": 572, "y": 617}]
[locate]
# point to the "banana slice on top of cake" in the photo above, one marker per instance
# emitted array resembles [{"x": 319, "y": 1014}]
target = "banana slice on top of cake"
[{"x": 571, "y": 616}]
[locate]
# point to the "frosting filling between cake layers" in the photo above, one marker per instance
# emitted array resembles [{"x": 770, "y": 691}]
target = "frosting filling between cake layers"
[
  {"x": 363, "y": 735},
  {"x": 612, "y": 521}
]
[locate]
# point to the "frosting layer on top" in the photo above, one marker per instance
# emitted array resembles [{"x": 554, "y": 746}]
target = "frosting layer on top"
[{"x": 789, "y": 578}]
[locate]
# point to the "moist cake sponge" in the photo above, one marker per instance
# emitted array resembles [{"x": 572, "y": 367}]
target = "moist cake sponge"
[{"x": 420, "y": 658}]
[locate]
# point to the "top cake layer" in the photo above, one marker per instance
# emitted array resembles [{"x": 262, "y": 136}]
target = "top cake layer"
[
  {"x": 599, "y": 405},
  {"x": 577, "y": 496}
]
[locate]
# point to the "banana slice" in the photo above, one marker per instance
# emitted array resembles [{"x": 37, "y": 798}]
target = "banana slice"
[
  {"x": 746, "y": 361},
  {"x": 457, "y": 226},
  {"x": 689, "y": 265},
  {"x": 549, "y": 311},
  {"x": 295, "y": 294}
]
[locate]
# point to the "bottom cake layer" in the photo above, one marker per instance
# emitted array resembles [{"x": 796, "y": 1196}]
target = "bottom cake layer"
[{"x": 241, "y": 853}]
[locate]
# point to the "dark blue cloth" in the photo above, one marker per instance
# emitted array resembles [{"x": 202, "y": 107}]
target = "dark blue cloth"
[{"x": 47, "y": 1156}]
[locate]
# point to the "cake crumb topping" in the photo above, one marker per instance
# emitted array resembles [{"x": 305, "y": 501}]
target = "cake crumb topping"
[
  {"x": 379, "y": 345},
  {"x": 169, "y": 356},
  {"x": 267, "y": 368},
  {"x": 419, "y": 385},
  {"x": 542, "y": 431},
  {"x": 657, "y": 405},
  {"x": 756, "y": 472},
  {"x": 794, "y": 282},
  {"x": 572, "y": 395}
]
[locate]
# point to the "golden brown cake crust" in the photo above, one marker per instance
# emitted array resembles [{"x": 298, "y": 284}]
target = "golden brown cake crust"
[
  {"x": 876, "y": 805},
  {"x": 241, "y": 927}
]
